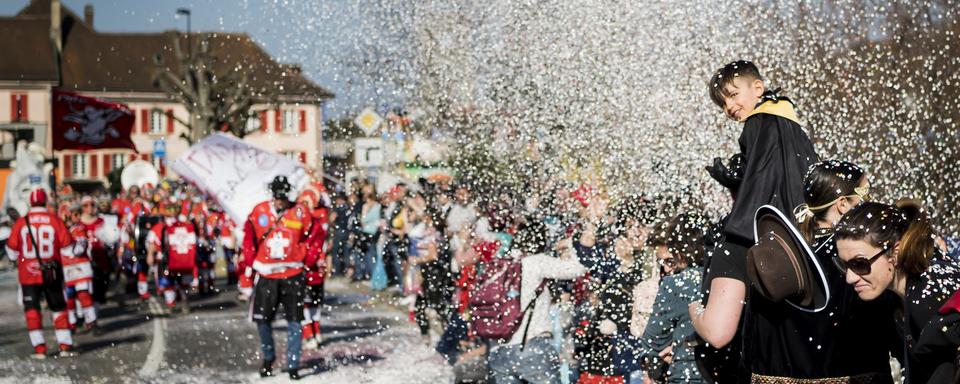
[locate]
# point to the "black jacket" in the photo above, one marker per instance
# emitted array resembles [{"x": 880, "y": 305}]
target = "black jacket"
[{"x": 777, "y": 154}]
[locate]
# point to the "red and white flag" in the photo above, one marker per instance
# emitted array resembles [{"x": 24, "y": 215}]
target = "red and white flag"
[{"x": 82, "y": 123}]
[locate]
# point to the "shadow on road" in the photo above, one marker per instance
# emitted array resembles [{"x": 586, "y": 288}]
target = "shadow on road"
[{"x": 90, "y": 346}]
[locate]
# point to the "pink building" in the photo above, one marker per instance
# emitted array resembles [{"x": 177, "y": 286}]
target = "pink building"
[{"x": 122, "y": 67}]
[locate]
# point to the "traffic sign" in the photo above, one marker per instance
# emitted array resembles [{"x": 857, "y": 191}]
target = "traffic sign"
[
  {"x": 368, "y": 152},
  {"x": 368, "y": 121},
  {"x": 160, "y": 148}
]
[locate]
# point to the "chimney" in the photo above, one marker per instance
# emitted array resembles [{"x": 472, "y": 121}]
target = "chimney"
[
  {"x": 56, "y": 35},
  {"x": 88, "y": 15}
]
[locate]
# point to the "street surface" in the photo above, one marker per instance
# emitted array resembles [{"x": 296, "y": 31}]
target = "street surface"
[{"x": 365, "y": 340}]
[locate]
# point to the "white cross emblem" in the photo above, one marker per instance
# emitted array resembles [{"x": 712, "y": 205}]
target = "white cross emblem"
[
  {"x": 278, "y": 245},
  {"x": 181, "y": 240}
]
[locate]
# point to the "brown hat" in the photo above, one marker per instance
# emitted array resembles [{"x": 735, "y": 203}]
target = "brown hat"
[{"x": 781, "y": 266}]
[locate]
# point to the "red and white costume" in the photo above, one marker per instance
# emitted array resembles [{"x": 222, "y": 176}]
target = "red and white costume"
[
  {"x": 53, "y": 244},
  {"x": 179, "y": 255},
  {"x": 281, "y": 255}
]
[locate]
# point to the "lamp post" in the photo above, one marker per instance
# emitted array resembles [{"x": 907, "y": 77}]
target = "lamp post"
[{"x": 186, "y": 12}]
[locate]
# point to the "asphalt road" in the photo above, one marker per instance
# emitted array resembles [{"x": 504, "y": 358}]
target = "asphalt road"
[{"x": 367, "y": 339}]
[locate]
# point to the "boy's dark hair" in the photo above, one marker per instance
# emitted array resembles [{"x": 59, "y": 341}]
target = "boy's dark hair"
[{"x": 723, "y": 76}]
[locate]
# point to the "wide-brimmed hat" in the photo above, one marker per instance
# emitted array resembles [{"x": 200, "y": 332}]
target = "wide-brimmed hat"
[{"x": 782, "y": 267}]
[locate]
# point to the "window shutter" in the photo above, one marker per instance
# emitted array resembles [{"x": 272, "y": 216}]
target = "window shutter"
[
  {"x": 144, "y": 120},
  {"x": 133, "y": 156},
  {"x": 162, "y": 169},
  {"x": 107, "y": 165},
  {"x": 279, "y": 121},
  {"x": 92, "y": 159},
  {"x": 145, "y": 157},
  {"x": 169, "y": 121},
  {"x": 67, "y": 167},
  {"x": 13, "y": 107},
  {"x": 24, "y": 108},
  {"x": 303, "y": 157},
  {"x": 303, "y": 121},
  {"x": 263, "y": 121}
]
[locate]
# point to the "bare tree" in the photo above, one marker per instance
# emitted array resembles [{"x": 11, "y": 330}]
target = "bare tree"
[{"x": 215, "y": 101}]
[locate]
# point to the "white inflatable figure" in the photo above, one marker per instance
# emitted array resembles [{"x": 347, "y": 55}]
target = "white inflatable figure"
[
  {"x": 28, "y": 174},
  {"x": 95, "y": 125}
]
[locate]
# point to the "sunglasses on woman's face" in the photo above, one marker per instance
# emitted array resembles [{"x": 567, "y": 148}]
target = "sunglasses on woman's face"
[{"x": 859, "y": 265}]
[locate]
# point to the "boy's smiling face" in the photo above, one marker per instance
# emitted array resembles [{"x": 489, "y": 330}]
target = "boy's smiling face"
[{"x": 740, "y": 97}]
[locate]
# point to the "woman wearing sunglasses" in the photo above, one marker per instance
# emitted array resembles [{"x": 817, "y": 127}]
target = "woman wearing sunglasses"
[
  {"x": 666, "y": 345},
  {"x": 892, "y": 248},
  {"x": 783, "y": 340}
]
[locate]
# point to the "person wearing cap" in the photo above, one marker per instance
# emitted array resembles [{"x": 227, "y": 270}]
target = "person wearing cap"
[
  {"x": 273, "y": 234},
  {"x": 893, "y": 248},
  {"x": 172, "y": 250},
  {"x": 791, "y": 330},
  {"x": 38, "y": 242}
]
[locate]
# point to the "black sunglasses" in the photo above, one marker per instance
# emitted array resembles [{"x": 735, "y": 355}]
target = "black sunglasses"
[{"x": 859, "y": 265}]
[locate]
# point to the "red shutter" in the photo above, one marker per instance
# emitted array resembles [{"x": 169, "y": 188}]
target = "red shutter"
[
  {"x": 303, "y": 121},
  {"x": 92, "y": 159},
  {"x": 145, "y": 157},
  {"x": 144, "y": 120},
  {"x": 19, "y": 107},
  {"x": 303, "y": 157},
  {"x": 133, "y": 156},
  {"x": 169, "y": 121},
  {"x": 163, "y": 169},
  {"x": 279, "y": 121},
  {"x": 263, "y": 121},
  {"x": 107, "y": 165},
  {"x": 67, "y": 167}
]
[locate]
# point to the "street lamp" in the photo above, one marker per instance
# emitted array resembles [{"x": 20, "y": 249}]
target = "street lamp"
[{"x": 186, "y": 12}]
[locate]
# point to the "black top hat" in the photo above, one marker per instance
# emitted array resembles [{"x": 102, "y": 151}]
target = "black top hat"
[{"x": 781, "y": 266}]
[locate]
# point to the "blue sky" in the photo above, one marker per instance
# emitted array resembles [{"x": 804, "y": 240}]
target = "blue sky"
[{"x": 317, "y": 34}]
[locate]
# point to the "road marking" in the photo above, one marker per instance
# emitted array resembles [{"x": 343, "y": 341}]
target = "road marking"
[{"x": 158, "y": 346}]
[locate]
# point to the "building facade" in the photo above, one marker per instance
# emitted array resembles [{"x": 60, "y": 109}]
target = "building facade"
[{"x": 51, "y": 47}]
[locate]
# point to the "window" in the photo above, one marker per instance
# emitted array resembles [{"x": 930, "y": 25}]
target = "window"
[
  {"x": 291, "y": 121},
  {"x": 79, "y": 165},
  {"x": 158, "y": 122},
  {"x": 253, "y": 122},
  {"x": 117, "y": 160}
]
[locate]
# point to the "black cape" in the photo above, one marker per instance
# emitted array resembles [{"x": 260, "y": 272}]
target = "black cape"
[{"x": 777, "y": 154}]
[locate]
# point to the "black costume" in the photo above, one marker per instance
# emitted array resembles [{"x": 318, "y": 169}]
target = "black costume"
[
  {"x": 848, "y": 338},
  {"x": 929, "y": 338},
  {"x": 776, "y": 155}
]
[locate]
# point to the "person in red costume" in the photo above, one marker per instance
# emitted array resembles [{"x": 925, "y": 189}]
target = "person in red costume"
[
  {"x": 315, "y": 261},
  {"x": 86, "y": 272},
  {"x": 273, "y": 234},
  {"x": 172, "y": 248},
  {"x": 37, "y": 242}
]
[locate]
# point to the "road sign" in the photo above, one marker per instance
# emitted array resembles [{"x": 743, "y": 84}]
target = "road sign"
[
  {"x": 368, "y": 121},
  {"x": 160, "y": 148},
  {"x": 368, "y": 152}
]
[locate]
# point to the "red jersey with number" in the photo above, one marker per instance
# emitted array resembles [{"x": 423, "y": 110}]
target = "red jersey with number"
[
  {"x": 271, "y": 243},
  {"x": 181, "y": 247},
  {"x": 52, "y": 239}
]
